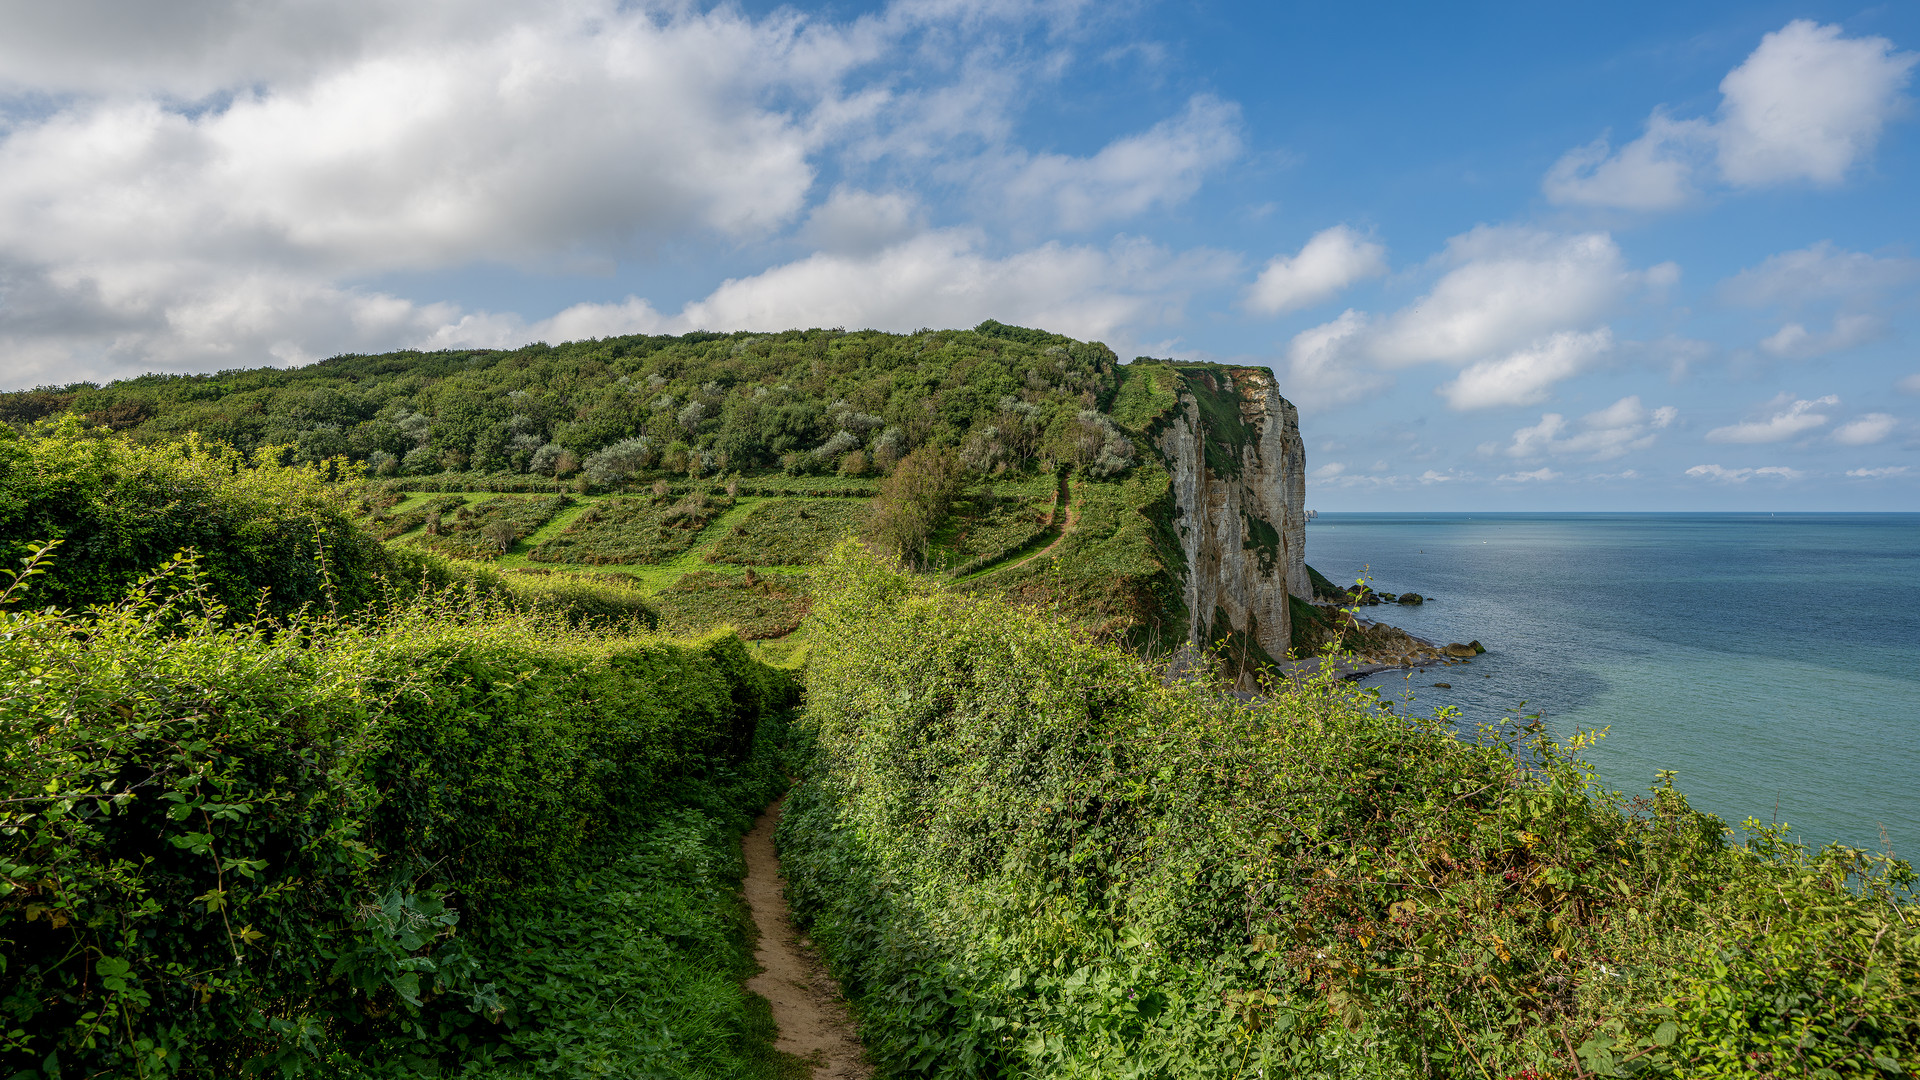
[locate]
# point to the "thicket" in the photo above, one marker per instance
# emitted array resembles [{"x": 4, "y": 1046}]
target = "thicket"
[
  {"x": 488, "y": 530},
  {"x": 1026, "y": 853},
  {"x": 322, "y": 846}
]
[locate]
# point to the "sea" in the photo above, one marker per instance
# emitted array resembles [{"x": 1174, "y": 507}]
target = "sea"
[{"x": 1771, "y": 661}]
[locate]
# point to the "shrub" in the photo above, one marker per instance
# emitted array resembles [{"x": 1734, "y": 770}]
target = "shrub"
[
  {"x": 1026, "y": 853},
  {"x": 489, "y": 529},
  {"x": 616, "y": 463},
  {"x": 272, "y": 537},
  {"x": 229, "y": 847},
  {"x": 767, "y": 606}
]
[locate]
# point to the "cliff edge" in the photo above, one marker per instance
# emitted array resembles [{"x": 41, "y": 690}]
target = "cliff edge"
[{"x": 1231, "y": 445}]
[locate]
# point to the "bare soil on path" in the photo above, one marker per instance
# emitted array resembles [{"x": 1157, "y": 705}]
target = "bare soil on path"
[{"x": 815, "y": 1024}]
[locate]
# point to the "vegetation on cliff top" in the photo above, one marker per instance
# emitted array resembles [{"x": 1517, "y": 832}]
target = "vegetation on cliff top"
[{"x": 1028, "y": 854}]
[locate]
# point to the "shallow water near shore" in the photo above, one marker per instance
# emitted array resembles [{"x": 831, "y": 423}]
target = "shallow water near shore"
[{"x": 1772, "y": 660}]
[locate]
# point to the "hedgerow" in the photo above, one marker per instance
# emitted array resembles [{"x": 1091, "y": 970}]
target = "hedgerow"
[
  {"x": 231, "y": 844},
  {"x": 1025, "y": 854}
]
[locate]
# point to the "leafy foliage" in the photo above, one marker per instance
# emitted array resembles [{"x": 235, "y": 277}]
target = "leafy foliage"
[
  {"x": 121, "y": 509},
  {"x": 232, "y": 842},
  {"x": 1026, "y": 853}
]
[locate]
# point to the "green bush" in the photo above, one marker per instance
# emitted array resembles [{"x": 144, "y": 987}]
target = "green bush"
[
  {"x": 789, "y": 532},
  {"x": 231, "y": 844},
  {"x": 263, "y": 529},
  {"x": 1027, "y": 854}
]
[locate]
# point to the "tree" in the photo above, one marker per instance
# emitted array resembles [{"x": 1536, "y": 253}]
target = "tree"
[{"x": 914, "y": 501}]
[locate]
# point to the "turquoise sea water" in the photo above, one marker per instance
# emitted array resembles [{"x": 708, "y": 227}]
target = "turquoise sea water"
[{"x": 1773, "y": 661}]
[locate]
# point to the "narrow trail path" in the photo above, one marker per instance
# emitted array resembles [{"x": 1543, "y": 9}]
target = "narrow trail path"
[
  {"x": 813, "y": 1018},
  {"x": 1062, "y": 504}
]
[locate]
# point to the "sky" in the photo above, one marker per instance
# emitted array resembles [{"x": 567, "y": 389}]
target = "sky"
[{"x": 1642, "y": 256}]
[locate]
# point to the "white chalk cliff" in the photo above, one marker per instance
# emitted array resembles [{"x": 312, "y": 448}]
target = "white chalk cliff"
[{"x": 1239, "y": 487}]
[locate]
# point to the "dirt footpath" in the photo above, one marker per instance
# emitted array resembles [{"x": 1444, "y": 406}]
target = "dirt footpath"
[{"x": 813, "y": 1018}]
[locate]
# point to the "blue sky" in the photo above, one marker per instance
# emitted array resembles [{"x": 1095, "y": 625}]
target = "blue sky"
[{"x": 1503, "y": 256}]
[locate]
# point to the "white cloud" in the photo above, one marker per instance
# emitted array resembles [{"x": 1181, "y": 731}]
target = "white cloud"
[
  {"x": 1806, "y": 105},
  {"x": 1741, "y": 476},
  {"x": 1794, "y": 341},
  {"x": 939, "y": 278},
  {"x": 205, "y": 188},
  {"x": 1820, "y": 272},
  {"x": 1328, "y": 471},
  {"x": 852, "y": 220},
  {"x": 1525, "y": 376},
  {"x": 1865, "y": 430},
  {"x": 1507, "y": 288},
  {"x": 1878, "y": 474},
  {"x": 1540, "y": 475},
  {"x": 1604, "y": 434},
  {"x": 1162, "y": 166},
  {"x": 1910, "y": 384},
  {"x": 1796, "y": 418},
  {"x": 1324, "y": 364},
  {"x": 1653, "y": 172},
  {"x": 1332, "y": 260}
]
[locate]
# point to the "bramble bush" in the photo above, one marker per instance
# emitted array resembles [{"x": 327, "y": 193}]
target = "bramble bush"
[
  {"x": 230, "y": 844},
  {"x": 1025, "y": 853}
]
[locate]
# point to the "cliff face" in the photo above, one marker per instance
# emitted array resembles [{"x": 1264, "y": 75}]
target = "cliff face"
[{"x": 1232, "y": 444}]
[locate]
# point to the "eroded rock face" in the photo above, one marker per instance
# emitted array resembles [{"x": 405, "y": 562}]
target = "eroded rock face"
[{"x": 1239, "y": 488}]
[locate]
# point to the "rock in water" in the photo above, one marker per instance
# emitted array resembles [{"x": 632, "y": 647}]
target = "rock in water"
[{"x": 1459, "y": 650}]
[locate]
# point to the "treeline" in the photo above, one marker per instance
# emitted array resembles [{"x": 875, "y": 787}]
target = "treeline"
[
  {"x": 810, "y": 402},
  {"x": 1026, "y": 853}
]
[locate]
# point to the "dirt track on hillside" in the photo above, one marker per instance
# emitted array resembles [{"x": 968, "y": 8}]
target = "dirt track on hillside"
[{"x": 815, "y": 1024}]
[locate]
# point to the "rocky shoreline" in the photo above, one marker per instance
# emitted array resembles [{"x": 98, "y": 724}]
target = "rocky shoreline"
[{"x": 1372, "y": 645}]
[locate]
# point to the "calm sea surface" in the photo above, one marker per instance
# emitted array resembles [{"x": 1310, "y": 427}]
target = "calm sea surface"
[{"x": 1773, "y": 661}]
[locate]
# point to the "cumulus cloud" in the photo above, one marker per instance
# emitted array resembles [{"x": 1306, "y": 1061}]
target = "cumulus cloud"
[
  {"x": 1161, "y": 166},
  {"x": 218, "y": 185},
  {"x": 1865, "y": 430},
  {"x": 1653, "y": 172},
  {"x": 1795, "y": 418},
  {"x": 1525, "y": 376},
  {"x": 1794, "y": 341},
  {"x": 939, "y": 278},
  {"x": 1332, "y": 260},
  {"x": 1620, "y": 428},
  {"x": 1505, "y": 288},
  {"x": 1807, "y": 105},
  {"x": 1819, "y": 272},
  {"x": 1325, "y": 365},
  {"x": 1741, "y": 476}
]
